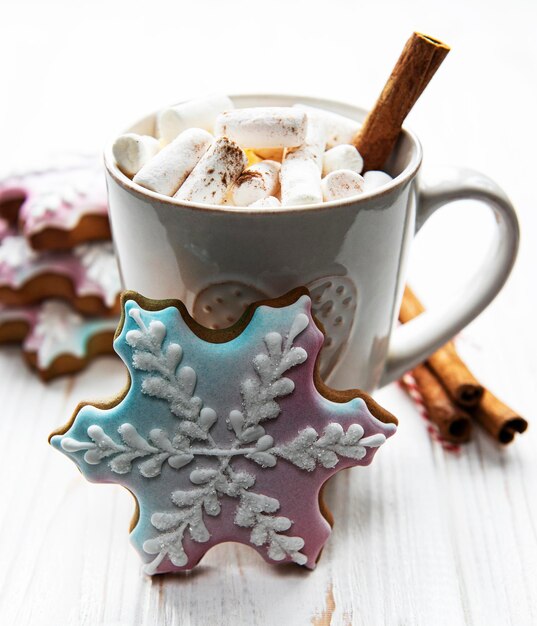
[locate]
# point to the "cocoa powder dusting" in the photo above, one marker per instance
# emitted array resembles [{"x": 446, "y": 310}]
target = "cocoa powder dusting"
[
  {"x": 248, "y": 175},
  {"x": 232, "y": 157}
]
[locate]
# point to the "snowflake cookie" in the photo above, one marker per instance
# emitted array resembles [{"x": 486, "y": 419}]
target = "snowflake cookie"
[
  {"x": 87, "y": 277},
  {"x": 58, "y": 206},
  {"x": 224, "y": 435},
  {"x": 55, "y": 339}
]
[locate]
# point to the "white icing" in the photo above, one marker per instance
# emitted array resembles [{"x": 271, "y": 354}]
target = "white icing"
[
  {"x": 80, "y": 192},
  {"x": 259, "y": 395},
  {"x": 100, "y": 263},
  {"x": 41, "y": 204},
  {"x": 56, "y": 324},
  {"x": 308, "y": 450},
  {"x": 65, "y": 192},
  {"x": 166, "y": 381},
  {"x": 15, "y": 251}
]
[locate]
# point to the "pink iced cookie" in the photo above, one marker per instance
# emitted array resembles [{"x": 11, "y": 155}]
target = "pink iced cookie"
[
  {"x": 58, "y": 207},
  {"x": 87, "y": 277},
  {"x": 55, "y": 339},
  {"x": 224, "y": 435}
]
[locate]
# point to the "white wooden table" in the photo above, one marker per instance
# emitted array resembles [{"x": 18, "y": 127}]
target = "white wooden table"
[{"x": 422, "y": 536}]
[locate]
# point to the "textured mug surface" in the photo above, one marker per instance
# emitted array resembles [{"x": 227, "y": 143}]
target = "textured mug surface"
[{"x": 351, "y": 254}]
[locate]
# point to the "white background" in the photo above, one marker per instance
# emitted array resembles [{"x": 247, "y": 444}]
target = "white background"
[{"x": 421, "y": 537}]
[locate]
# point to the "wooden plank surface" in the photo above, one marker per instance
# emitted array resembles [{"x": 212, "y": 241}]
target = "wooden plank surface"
[{"x": 423, "y": 536}]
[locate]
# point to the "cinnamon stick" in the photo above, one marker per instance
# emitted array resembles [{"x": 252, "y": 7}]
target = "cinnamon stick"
[
  {"x": 498, "y": 419},
  {"x": 419, "y": 60},
  {"x": 452, "y": 422},
  {"x": 458, "y": 380}
]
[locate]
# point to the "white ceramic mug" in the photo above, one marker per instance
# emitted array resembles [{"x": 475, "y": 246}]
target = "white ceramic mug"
[{"x": 351, "y": 254}]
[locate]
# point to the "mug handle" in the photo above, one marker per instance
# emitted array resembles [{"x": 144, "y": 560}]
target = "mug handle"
[{"x": 414, "y": 341}]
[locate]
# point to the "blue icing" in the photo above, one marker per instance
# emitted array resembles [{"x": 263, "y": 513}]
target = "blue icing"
[{"x": 212, "y": 364}]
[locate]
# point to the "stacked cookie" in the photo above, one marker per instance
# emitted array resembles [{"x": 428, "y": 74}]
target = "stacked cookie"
[{"x": 59, "y": 281}]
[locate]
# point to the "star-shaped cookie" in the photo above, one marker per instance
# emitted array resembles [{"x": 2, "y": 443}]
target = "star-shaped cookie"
[
  {"x": 224, "y": 435},
  {"x": 58, "y": 206}
]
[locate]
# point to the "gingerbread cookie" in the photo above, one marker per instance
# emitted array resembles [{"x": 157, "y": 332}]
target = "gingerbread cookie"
[
  {"x": 60, "y": 207},
  {"x": 87, "y": 277},
  {"x": 56, "y": 340},
  {"x": 224, "y": 435}
]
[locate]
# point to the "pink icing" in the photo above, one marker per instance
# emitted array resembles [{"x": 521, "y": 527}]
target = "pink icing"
[
  {"x": 57, "y": 198},
  {"x": 19, "y": 264}
]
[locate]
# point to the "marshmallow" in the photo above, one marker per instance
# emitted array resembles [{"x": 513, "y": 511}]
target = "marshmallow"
[
  {"x": 263, "y": 127},
  {"x": 132, "y": 152},
  {"x": 257, "y": 182},
  {"x": 168, "y": 169},
  {"x": 342, "y": 157},
  {"x": 267, "y": 203},
  {"x": 339, "y": 129},
  {"x": 342, "y": 184},
  {"x": 375, "y": 179},
  {"x": 199, "y": 113},
  {"x": 300, "y": 175},
  {"x": 209, "y": 181}
]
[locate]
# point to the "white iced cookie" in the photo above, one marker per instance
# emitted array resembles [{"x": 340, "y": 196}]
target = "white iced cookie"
[
  {"x": 167, "y": 170},
  {"x": 263, "y": 127},
  {"x": 339, "y": 129},
  {"x": 342, "y": 184},
  {"x": 132, "y": 152},
  {"x": 300, "y": 175},
  {"x": 220, "y": 166},
  {"x": 267, "y": 203},
  {"x": 259, "y": 181},
  {"x": 375, "y": 179},
  {"x": 342, "y": 157},
  {"x": 199, "y": 113}
]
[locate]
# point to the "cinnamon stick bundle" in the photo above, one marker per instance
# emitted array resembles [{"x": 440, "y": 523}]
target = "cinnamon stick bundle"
[
  {"x": 465, "y": 391},
  {"x": 458, "y": 380},
  {"x": 453, "y": 423},
  {"x": 419, "y": 60}
]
